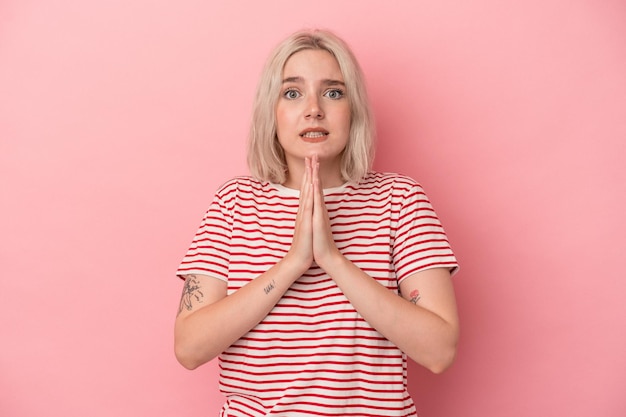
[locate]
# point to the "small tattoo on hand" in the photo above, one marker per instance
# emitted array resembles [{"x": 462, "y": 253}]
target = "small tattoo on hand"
[{"x": 415, "y": 296}]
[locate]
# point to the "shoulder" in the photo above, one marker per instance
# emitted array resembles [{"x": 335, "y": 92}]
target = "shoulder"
[
  {"x": 389, "y": 181},
  {"x": 236, "y": 191},
  {"x": 240, "y": 184}
]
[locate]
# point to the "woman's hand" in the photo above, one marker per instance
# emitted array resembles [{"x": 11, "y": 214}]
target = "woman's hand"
[
  {"x": 301, "y": 250},
  {"x": 324, "y": 247},
  {"x": 312, "y": 237}
]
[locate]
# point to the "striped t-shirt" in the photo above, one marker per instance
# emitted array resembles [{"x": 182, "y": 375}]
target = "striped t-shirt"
[{"x": 314, "y": 354}]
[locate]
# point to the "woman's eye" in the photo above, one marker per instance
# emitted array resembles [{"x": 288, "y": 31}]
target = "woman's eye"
[
  {"x": 334, "y": 94},
  {"x": 291, "y": 94}
]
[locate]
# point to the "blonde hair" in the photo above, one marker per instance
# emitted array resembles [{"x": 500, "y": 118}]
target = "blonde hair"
[{"x": 266, "y": 158}]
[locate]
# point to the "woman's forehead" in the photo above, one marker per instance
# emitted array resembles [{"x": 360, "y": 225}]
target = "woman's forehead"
[{"x": 312, "y": 64}]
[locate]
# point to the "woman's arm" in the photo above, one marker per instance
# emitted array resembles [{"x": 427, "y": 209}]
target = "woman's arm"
[
  {"x": 209, "y": 321},
  {"x": 427, "y": 330}
]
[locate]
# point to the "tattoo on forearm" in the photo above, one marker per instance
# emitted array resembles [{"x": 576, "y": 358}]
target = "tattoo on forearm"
[
  {"x": 191, "y": 293},
  {"x": 270, "y": 287},
  {"x": 415, "y": 296}
]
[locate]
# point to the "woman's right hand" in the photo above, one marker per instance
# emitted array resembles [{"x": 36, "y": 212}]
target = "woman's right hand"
[{"x": 301, "y": 250}]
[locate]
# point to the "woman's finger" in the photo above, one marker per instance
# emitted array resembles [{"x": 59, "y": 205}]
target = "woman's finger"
[
  {"x": 302, "y": 244},
  {"x": 318, "y": 191}
]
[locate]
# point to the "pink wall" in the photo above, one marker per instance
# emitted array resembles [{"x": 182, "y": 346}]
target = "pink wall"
[{"x": 118, "y": 119}]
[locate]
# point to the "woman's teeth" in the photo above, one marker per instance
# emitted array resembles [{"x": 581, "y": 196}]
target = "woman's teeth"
[{"x": 313, "y": 134}]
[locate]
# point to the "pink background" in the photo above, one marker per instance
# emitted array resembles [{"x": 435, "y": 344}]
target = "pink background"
[{"x": 119, "y": 118}]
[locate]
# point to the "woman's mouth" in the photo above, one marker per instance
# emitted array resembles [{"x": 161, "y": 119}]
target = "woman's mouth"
[{"x": 314, "y": 135}]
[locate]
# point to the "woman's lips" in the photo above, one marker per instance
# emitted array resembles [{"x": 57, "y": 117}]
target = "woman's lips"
[{"x": 314, "y": 135}]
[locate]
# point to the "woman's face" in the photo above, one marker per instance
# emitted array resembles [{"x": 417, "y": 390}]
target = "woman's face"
[{"x": 313, "y": 111}]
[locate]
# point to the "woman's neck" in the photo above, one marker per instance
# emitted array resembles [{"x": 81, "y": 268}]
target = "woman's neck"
[{"x": 330, "y": 176}]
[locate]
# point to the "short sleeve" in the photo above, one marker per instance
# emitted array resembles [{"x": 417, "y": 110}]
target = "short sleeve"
[
  {"x": 209, "y": 252},
  {"x": 420, "y": 241}
]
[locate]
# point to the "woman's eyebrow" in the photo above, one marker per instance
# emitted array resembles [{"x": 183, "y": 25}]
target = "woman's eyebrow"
[
  {"x": 297, "y": 80},
  {"x": 334, "y": 82},
  {"x": 293, "y": 80}
]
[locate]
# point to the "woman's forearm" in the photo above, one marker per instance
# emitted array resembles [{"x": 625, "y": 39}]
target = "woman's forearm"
[
  {"x": 424, "y": 335},
  {"x": 206, "y": 332}
]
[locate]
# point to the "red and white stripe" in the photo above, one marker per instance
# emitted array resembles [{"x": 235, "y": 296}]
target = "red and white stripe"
[{"x": 314, "y": 354}]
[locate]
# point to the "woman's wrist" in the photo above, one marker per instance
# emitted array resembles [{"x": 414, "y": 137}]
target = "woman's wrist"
[
  {"x": 293, "y": 266},
  {"x": 333, "y": 261}
]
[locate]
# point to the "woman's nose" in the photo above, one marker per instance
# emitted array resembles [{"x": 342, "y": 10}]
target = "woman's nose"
[{"x": 314, "y": 108}]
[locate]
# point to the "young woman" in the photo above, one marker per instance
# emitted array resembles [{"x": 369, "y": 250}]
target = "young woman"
[{"x": 314, "y": 278}]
